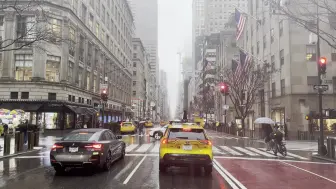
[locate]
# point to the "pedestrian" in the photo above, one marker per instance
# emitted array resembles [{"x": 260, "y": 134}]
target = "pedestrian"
[
  {"x": 267, "y": 128},
  {"x": 140, "y": 127}
]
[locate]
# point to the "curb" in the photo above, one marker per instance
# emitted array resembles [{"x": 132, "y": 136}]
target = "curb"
[
  {"x": 18, "y": 154},
  {"x": 323, "y": 158}
]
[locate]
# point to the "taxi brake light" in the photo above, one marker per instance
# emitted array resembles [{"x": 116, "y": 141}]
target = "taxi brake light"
[
  {"x": 186, "y": 129},
  {"x": 164, "y": 141}
]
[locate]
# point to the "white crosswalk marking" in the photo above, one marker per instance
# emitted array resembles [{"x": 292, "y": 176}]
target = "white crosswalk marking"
[
  {"x": 131, "y": 147},
  {"x": 229, "y": 150},
  {"x": 216, "y": 150},
  {"x": 296, "y": 156},
  {"x": 156, "y": 148},
  {"x": 260, "y": 152},
  {"x": 246, "y": 151},
  {"x": 270, "y": 152},
  {"x": 143, "y": 148}
]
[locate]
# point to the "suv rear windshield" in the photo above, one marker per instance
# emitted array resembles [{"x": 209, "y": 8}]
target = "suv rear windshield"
[
  {"x": 127, "y": 124},
  {"x": 193, "y": 134},
  {"x": 78, "y": 136}
]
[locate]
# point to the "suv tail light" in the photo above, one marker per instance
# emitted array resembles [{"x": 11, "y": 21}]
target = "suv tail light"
[
  {"x": 94, "y": 146},
  {"x": 208, "y": 142},
  {"x": 57, "y": 146}
]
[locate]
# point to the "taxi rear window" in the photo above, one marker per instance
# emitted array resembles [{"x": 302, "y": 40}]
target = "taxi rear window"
[
  {"x": 192, "y": 134},
  {"x": 127, "y": 124}
]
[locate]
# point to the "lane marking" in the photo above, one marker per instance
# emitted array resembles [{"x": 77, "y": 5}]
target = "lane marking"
[
  {"x": 131, "y": 147},
  {"x": 216, "y": 150},
  {"x": 260, "y": 152},
  {"x": 129, "y": 165},
  {"x": 229, "y": 150},
  {"x": 37, "y": 148},
  {"x": 226, "y": 178},
  {"x": 156, "y": 148},
  {"x": 30, "y": 157},
  {"x": 246, "y": 151},
  {"x": 297, "y": 156},
  {"x": 134, "y": 170},
  {"x": 153, "y": 155},
  {"x": 264, "y": 159},
  {"x": 309, "y": 172},
  {"x": 241, "y": 186},
  {"x": 264, "y": 149},
  {"x": 143, "y": 148}
]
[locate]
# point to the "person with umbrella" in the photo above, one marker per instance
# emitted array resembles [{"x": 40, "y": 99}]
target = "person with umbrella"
[
  {"x": 266, "y": 128},
  {"x": 140, "y": 127}
]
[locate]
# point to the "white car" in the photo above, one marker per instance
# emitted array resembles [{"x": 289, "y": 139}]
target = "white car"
[{"x": 157, "y": 132}]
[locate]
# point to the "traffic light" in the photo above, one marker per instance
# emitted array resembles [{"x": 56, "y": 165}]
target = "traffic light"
[
  {"x": 307, "y": 117},
  {"x": 104, "y": 95},
  {"x": 224, "y": 88},
  {"x": 323, "y": 65}
]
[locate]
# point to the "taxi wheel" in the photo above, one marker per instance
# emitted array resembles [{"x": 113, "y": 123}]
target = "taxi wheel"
[
  {"x": 208, "y": 170},
  {"x": 162, "y": 167}
]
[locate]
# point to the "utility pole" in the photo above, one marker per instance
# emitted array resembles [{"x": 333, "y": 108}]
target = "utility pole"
[{"x": 321, "y": 147}]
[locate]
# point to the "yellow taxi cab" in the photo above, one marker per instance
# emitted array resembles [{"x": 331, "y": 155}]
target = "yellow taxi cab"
[
  {"x": 184, "y": 145},
  {"x": 163, "y": 123},
  {"x": 127, "y": 127},
  {"x": 149, "y": 124}
]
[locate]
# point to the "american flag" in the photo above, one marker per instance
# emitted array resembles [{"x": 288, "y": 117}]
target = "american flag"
[
  {"x": 240, "y": 22},
  {"x": 243, "y": 65}
]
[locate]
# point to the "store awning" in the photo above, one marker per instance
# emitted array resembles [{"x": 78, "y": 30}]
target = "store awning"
[{"x": 27, "y": 107}]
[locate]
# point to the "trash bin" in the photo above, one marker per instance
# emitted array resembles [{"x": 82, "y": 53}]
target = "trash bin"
[
  {"x": 7, "y": 143},
  {"x": 331, "y": 141}
]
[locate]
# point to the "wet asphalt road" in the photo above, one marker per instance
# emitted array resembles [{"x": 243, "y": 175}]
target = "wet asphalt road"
[{"x": 239, "y": 163}]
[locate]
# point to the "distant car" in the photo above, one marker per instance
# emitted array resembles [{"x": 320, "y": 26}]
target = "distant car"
[
  {"x": 185, "y": 145},
  {"x": 87, "y": 148},
  {"x": 149, "y": 124},
  {"x": 158, "y": 132},
  {"x": 127, "y": 127}
]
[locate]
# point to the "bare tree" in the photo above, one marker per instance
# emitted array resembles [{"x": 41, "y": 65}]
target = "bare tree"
[
  {"x": 306, "y": 13},
  {"x": 244, "y": 86},
  {"x": 30, "y": 30}
]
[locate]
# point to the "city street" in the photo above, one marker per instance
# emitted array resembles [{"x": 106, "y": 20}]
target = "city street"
[{"x": 239, "y": 163}]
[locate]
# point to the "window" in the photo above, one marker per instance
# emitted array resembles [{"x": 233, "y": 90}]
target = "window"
[
  {"x": 70, "y": 71},
  {"x": 51, "y": 96},
  {"x": 272, "y": 62},
  {"x": 273, "y": 90},
  {"x": 25, "y": 28},
  {"x": 97, "y": 30},
  {"x": 53, "y": 68},
  {"x": 134, "y": 83},
  {"x": 134, "y": 55},
  {"x": 258, "y": 44},
  {"x": 97, "y": 6},
  {"x": 103, "y": 14},
  {"x": 135, "y": 47},
  {"x": 95, "y": 89},
  {"x": 56, "y": 29},
  {"x": 280, "y": 28},
  {"x": 80, "y": 77},
  {"x": 264, "y": 42},
  {"x": 91, "y": 22},
  {"x": 134, "y": 73},
  {"x": 69, "y": 98},
  {"x": 134, "y": 93},
  {"x": 14, "y": 95},
  {"x": 23, "y": 67},
  {"x": 72, "y": 37},
  {"x": 333, "y": 54},
  {"x": 134, "y": 64},
  {"x": 73, "y": 98},
  {"x": 311, "y": 52},
  {"x": 282, "y": 57},
  {"x": 24, "y": 95},
  {"x": 272, "y": 35},
  {"x": 84, "y": 10},
  {"x": 88, "y": 81},
  {"x": 74, "y": 5},
  {"x": 282, "y": 87},
  {"x": 193, "y": 134}
]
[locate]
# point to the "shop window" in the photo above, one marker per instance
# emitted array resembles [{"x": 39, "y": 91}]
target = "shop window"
[
  {"x": 311, "y": 52},
  {"x": 14, "y": 95},
  {"x": 23, "y": 67},
  {"x": 51, "y": 96},
  {"x": 52, "y": 68},
  {"x": 24, "y": 95}
]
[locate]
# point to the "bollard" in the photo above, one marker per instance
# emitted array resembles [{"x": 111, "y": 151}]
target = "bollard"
[
  {"x": 37, "y": 138},
  {"x": 7, "y": 144},
  {"x": 30, "y": 140},
  {"x": 21, "y": 141},
  {"x": 17, "y": 140}
]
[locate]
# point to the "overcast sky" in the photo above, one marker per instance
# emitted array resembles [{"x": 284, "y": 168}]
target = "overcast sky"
[{"x": 175, "y": 32}]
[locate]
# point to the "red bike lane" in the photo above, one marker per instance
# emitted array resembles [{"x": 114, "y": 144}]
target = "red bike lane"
[{"x": 262, "y": 174}]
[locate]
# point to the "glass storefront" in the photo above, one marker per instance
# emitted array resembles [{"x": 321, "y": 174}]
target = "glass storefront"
[{"x": 278, "y": 115}]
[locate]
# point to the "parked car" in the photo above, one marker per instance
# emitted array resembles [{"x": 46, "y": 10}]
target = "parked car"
[{"x": 87, "y": 148}]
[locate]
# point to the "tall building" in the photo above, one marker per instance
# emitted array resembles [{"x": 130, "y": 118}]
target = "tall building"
[
  {"x": 139, "y": 80},
  {"x": 146, "y": 28},
  {"x": 291, "y": 49},
  {"x": 217, "y": 13},
  {"x": 64, "y": 76},
  {"x": 164, "y": 106}
]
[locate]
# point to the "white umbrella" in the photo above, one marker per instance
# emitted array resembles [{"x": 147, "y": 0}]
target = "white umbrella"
[{"x": 264, "y": 120}]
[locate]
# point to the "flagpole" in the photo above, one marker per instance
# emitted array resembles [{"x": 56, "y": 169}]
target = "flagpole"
[{"x": 256, "y": 19}]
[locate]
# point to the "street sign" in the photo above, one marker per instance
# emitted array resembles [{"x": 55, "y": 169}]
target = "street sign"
[
  {"x": 226, "y": 107},
  {"x": 321, "y": 87}
]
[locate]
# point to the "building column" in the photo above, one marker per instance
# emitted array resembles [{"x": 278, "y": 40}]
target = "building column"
[
  {"x": 65, "y": 52},
  {"x": 39, "y": 54},
  {"x": 8, "y": 56}
]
